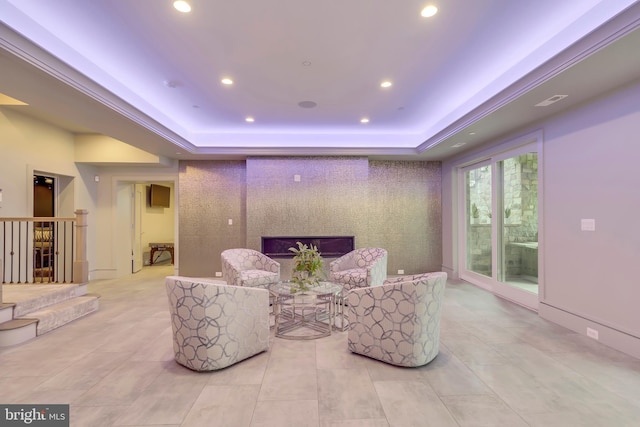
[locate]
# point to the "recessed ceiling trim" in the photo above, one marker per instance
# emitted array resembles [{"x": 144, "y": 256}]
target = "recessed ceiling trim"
[
  {"x": 607, "y": 34},
  {"x": 309, "y": 151},
  {"x": 7, "y": 100},
  {"x": 25, "y": 50},
  {"x": 57, "y": 69}
]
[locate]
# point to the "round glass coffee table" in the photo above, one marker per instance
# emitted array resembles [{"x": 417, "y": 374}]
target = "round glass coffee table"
[{"x": 305, "y": 315}]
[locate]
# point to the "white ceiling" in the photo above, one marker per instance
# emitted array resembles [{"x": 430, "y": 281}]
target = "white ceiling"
[{"x": 143, "y": 73}]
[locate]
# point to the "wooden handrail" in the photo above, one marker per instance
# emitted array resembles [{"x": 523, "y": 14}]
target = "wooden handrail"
[
  {"x": 37, "y": 219},
  {"x": 35, "y": 248}
]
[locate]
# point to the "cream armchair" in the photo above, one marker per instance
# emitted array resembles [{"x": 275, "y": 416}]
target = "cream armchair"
[
  {"x": 359, "y": 268},
  {"x": 246, "y": 267},
  {"x": 398, "y": 322},
  {"x": 216, "y": 325}
]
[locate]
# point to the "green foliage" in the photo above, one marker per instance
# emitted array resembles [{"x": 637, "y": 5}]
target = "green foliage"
[
  {"x": 475, "y": 212},
  {"x": 307, "y": 267}
]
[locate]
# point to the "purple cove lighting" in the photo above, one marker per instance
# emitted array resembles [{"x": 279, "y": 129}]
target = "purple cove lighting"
[
  {"x": 307, "y": 139},
  {"x": 491, "y": 61}
]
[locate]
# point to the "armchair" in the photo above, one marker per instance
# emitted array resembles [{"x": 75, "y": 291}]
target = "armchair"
[
  {"x": 216, "y": 325},
  {"x": 359, "y": 268},
  {"x": 398, "y": 322},
  {"x": 247, "y": 267}
]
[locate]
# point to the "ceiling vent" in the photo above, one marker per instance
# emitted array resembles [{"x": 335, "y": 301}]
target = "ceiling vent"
[
  {"x": 307, "y": 104},
  {"x": 552, "y": 100}
]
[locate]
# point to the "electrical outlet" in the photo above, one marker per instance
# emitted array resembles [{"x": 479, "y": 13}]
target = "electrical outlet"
[
  {"x": 400, "y": 271},
  {"x": 592, "y": 333},
  {"x": 218, "y": 273}
]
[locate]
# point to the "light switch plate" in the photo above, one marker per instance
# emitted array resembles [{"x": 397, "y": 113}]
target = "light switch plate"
[{"x": 588, "y": 225}]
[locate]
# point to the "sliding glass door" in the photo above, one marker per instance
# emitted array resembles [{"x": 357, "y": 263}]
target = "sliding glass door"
[
  {"x": 479, "y": 254},
  {"x": 499, "y": 249},
  {"x": 519, "y": 226}
]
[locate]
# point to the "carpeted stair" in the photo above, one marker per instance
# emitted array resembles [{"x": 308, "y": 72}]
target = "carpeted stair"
[{"x": 31, "y": 310}]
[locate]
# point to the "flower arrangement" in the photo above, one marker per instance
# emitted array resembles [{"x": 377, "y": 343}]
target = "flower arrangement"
[{"x": 307, "y": 268}]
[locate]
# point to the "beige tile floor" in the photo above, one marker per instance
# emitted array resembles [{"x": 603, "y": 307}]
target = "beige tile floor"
[{"x": 499, "y": 365}]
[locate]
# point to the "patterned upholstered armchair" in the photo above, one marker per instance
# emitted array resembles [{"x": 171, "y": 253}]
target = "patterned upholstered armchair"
[
  {"x": 216, "y": 325},
  {"x": 398, "y": 322},
  {"x": 359, "y": 268},
  {"x": 246, "y": 267}
]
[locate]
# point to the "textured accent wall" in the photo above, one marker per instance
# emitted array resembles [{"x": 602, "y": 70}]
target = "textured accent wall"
[
  {"x": 210, "y": 193},
  {"x": 405, "y": 214},
  {"x": 329, "y": 200},
  {"x": 391, "y": 204}
]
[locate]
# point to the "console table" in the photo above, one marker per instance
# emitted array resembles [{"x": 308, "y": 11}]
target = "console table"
[{"x": 160, "y": 247}]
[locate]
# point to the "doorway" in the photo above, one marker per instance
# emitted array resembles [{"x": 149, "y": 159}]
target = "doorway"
[
  {"x": 139, "y": 224},
  {"x": 498, "y": 249},
  {"x": 43, "y": 196},
  {"x": 44, "y": 232}
]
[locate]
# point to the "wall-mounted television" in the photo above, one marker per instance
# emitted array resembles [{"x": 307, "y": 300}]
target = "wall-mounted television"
[{"x": 159, "y": 196}]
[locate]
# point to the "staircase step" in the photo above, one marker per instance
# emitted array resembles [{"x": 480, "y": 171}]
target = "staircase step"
[
  {"x": 6, "y": 312},
  {"x": 30, "y": 298},
  {"x": 37, "y": 309},
  {"x": 17, "y": 331},
  {"x": 56, "y": 315}
]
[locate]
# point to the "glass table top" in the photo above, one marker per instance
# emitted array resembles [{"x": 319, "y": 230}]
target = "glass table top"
[{"x": 284, "y": 288}]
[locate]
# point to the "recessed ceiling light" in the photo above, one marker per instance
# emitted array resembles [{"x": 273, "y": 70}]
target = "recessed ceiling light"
[
  {"x": 385, "y": 83},
  {"x": 249, "y": 120},
  {"x": 364, "y": 120},
  {"x": 226, "y": 81},
  {"x": 429, "y": 11},
  {"x": 459, "y": 144},
  {"x": 182, "y": 6},
  {"x": 472, "y": 133}
]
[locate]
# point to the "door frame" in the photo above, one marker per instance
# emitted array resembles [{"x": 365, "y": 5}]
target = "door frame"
[
  {"x": 526, "y": 143},
  {"x": 136, "y": 234},
  {"x": 125, "y": 179}
]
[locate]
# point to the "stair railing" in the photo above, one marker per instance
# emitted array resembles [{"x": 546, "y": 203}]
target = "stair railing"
[{"x": 44, "y": 249}]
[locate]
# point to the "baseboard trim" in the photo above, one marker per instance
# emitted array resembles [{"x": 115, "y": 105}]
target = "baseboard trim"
[
  {"x": 608, "y": 336},
  {"x": 451, "y": 273},
  {"x": 102, "y": 274}
]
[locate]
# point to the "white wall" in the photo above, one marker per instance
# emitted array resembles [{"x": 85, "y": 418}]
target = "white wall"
[
  {"x": 590, "y": 171},
  {"x": 28, "y": 145}
]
